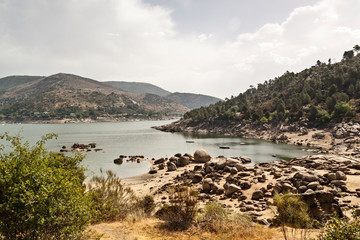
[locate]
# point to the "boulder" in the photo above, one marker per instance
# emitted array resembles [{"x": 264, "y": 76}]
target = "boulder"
[
  {"x": 313, "y": 185},
  {"x": 159, "y": 161},
  {"x": 118, "y": 161},
  {"x": 245, "y": 185},
  {"x": 171, "y": 166},
  {"x": 338, "y": 183},
  {"x": 233, "y": 170},
  {"x": 257, "y": 195},
  {"x": 201, "y": 156},
  {"x": 207, "y": 185},
  {"x": 322, "y": 204},
  {"x": 240, "y": 167},
  {"x": 231, "y": 189},
  {"x": 183, "y": 161},
  {"x": 330, "y": 176},
  {"x": 161, "y": 166},
  {"x": 245, "y": 159},
  {"x": 286, "y": 187},
  {"x": 340, "y": 176},
  {"x": 197, "y": 178},
  {"x": 215, "y": 187},
  {"x": 307, "y": 176},
  {"x": 153, "y": 171}
]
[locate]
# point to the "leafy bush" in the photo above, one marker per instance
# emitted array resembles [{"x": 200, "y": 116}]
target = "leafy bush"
[
  {"x": 180, "y": 213},
  {"x": 341, "y": 110},
  {"x": 147, "y": 204},
  {"x": 42, "y": 195},
  {"x": 292, "y": 212},
  {"x": 340, "y": 229},
  {"x": 110, "y": 200},
  {"x": 323, "y": 116}
]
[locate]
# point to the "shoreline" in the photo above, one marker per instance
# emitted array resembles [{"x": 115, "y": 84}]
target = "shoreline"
[
  {"x": 87, "y": 120},
  {"x": 341, "y": 138},
  {"x": 336, "y": 156}
]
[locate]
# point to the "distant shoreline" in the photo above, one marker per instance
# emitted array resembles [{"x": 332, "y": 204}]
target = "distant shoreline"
[{"x": 86, "y": 120}]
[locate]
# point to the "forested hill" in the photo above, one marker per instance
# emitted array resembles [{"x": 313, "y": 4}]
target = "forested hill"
[{"x": 326, "y": 92}]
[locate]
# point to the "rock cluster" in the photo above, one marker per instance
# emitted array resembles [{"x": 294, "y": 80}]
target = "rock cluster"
[
  {"x": 135, "y": 158},
  {"x": 320, "y": 180},
  {"x": 79, "y": 147}
]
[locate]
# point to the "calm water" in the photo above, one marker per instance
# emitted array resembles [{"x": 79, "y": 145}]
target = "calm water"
[{"x": 138, "y": 138}]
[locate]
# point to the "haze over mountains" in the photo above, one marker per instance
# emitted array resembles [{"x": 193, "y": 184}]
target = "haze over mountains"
[{"x": 66, "y": 95}]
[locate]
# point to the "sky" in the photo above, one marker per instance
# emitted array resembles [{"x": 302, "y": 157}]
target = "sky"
[{"x": 211, "y": 47}]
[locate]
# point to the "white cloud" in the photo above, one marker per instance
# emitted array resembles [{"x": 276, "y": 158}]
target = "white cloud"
[{"x": 133, "y": 41}]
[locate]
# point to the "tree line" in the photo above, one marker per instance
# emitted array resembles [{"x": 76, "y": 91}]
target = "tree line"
[{"x": 320, "y": 94}]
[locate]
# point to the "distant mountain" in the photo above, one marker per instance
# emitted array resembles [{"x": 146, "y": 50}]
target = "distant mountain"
[
  {"x": 192, "y": 100},
  {"x": 189, "y": 100},
  {"x": 138, "y": 87},
  {"x": 66, "y": 95}
]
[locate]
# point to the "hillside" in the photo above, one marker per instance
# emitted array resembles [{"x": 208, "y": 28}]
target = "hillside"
[
  {"x": 189, "y": 100},
  {"x": 324, "y": 93},
  {"x": 12, "y": 81},
  {"x": 192, "y": 100},
  {"x": 69, "y": 96},
  {"x": 138, "y": 87}
]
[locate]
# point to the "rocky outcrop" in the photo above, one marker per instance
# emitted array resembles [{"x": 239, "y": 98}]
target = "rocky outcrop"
[
  {"x": 343, "y": 138},
  {"x": 320, "y": 180}
]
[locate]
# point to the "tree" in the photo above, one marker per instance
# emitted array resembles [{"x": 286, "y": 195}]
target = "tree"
[
  {"x": 348, "y": 54},
  {"x": 341, "y": 110},
  {"x": 42, "y": 195},
  {"x": 356, "y": 48}
]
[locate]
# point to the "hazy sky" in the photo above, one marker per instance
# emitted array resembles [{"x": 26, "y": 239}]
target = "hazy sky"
[{"x": 215, "y": 47}]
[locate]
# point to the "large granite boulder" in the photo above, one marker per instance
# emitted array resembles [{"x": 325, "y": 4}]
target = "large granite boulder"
[
  {"x": 322, "y": 204},
  {"x": 202, "y": 156}
]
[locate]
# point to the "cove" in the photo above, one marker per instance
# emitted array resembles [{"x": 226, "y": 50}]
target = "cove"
[{"x": 138, "y": 138}]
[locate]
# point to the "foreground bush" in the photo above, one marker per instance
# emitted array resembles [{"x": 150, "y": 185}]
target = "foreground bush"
[
  {"x": 293, "y": 213},
  {"x": 42, "y": 195},
  {"x": 222, "y": 225},
  {"x": 110, "y": 200},
  {"x": 341, "y": 229},
  {"x": 180, "y": 213}
]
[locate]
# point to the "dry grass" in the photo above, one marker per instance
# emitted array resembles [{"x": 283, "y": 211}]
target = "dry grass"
[{"x": 152, "y": 228}]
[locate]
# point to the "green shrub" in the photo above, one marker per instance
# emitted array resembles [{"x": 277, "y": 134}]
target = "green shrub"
[
  {"x": 42, "y": 195},
  {"x": 341, "y": 229},
  {"x": 110, "y": 200},
  {"x": 213, "y": 211},
  {"x": 180, "y": 213},
  {"x": 218, "y": 220},
  {"x": 147, "y": 204},
  {"x": 341, "y": 110},
  {"x": 292, "y": 212}
]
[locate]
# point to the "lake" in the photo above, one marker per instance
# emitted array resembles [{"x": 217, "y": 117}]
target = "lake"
[{"x": 138, "y": 138}]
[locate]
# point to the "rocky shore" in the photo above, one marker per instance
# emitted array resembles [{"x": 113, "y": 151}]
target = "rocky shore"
[
  {"x": 327, "y": 183},
  {"x": 342, "y": 138}
]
